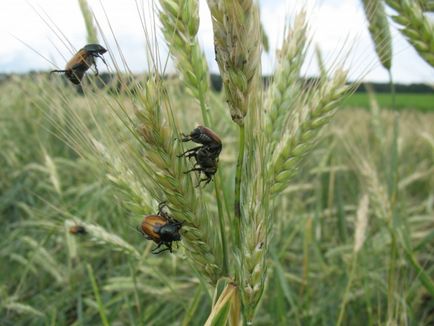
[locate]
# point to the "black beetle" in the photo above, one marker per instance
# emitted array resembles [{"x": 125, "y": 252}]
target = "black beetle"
[{"x": 206, "y": 155}]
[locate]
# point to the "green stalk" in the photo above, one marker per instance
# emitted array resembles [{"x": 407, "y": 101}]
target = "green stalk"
[
  {"x": 391, "y": 275},
  {"x": 347, "y": 290},
  {"x": 237, "y": 204},
  {"x": 101, "y": 309},
  {"x": 203, "y": 107},
  {"x": 392, "y": 90},
  {"x": 217, "y": 187},
  {"x": 221, "y": 224}
]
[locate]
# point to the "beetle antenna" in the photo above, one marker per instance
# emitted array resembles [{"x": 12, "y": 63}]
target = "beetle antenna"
[{"x": 57, "y": 71}]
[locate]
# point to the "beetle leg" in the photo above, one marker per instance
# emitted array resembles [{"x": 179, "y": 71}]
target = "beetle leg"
[
  {"x": 185, "y": 138},
  {"x": 159, "y": 252},
  {"x": 189, "y": 156},
  {"x": 177, "y": 223},
  {"x": 96, "y": 70},
  {"x": 191, "y": 152},
  {"x": 168, "y": 245},
  {"x": 156, "y": 248},
  {"x": 102, "y": 58},
  {"x": 207, "y": 180},
  {"x": 194, "y": 169}
]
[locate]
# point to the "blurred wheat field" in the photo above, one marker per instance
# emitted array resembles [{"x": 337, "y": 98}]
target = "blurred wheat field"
[
  {"x": 321, "y": 212},
  {"x": 43, "y": 269}
]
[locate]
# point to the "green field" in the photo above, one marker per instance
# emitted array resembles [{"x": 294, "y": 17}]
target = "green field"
[
  {"x": 49, "y": 276},
  {"x": 408, "y": 101}
]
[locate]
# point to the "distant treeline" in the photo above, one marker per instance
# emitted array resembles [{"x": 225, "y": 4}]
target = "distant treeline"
[{"x": 216, "y": 83}]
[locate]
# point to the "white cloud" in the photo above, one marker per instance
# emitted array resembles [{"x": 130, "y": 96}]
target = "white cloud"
[{"x": 333, "y": 23}]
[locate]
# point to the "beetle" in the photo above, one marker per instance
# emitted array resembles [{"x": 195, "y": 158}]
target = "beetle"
[
  {"x": 82, "y": 61},
  {"x": 207, "y": 138},
  {"x": 161, "y": 228},
  {"x": 205, "y": 163},
  {"x": 77, "y": 230},
  {"x": 206, "y": 155}
]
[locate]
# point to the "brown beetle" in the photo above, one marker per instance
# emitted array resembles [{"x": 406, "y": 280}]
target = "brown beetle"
[
  {"x": 206, "y": 155},
  {"x": 161, "y": 228},
  {"x": 77, "y": 230},
  {"x": 82, "y": 61}
]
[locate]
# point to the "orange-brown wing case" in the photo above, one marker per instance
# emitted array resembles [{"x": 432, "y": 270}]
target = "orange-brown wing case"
[
  {"x": 77, "y": 229},
  {"x": 150, "y": 225},
  {"x": 80, "y": 58}
]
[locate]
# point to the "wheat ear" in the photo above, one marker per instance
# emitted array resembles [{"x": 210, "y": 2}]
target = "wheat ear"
[
  {"x": 306, "y": 122},
  {"x": 237, "y": 41},
  {"x": 286, "y": 84},
  {"x": 88, "y": 20},
  {"x": 418, "y": 29},
  {"x": 180, "y": 20},
  {"x": 379, "y": 30}
]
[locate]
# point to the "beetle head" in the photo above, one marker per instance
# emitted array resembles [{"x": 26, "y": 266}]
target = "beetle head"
[{"x": 95, "y": 48}]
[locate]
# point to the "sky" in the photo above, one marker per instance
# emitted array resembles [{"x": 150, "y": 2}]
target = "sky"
[{"x": 336, "y": 27}]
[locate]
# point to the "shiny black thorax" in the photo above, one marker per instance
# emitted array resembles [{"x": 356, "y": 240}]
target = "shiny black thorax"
[{"x": 169, "y": 232}]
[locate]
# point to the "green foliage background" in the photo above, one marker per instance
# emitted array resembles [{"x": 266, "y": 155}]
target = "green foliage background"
[{"x": 44, "y": 271}]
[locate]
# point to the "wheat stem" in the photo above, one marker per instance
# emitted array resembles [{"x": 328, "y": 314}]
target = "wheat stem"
[
  {"x": 347, "y": 290},
  {"x": 238, "y": 177},
  {"x": 95, "y": 288}
]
